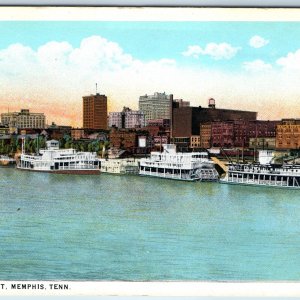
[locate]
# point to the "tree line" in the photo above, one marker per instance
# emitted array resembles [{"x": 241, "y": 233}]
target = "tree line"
[{"x": 13, "y": 145}]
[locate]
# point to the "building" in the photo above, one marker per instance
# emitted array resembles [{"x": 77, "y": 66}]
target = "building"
[
  {"x": 157, "y": 106},
  {"x": 78, "y": 133},
  {"x": 180, "y": 103},
  {"x": 222, "y": 134},
  {"x": 288, "y": 134},
  {"x": 163, "y": 123},
  {"x": 186, "y": 121},
  {"x": 262, "y": 143},
  {"x": 261, "y": 128},
  {"x": 95, "y": 111},
  {"x": 115, "y": 119},
  {"x": 238, "y": 133},
  {"x": 262, "y": 134},
  {"x": 205, "y": 135},
  {"x": 127, "y": 118},
  {"x": 160, "y": 140},
  {"x": 241, "y": 133},
  {"x": 124, "y": 139},
  {"x": 57, "y": 132},
  {"x": 4, "y": 130},
  {"x": 23, "y": 119},
  {"x": 134, "y": 119},
  {"x": 195, "y": 142}
]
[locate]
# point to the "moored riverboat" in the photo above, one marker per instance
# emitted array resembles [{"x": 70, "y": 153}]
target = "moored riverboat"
[
  {"x": 6, "y": 161},
  {"x": 121, "y": 166},
  {"x": 61, "y": 161},
  {"x": 192, "y": 166},
  {"x": 264, "y": 173}
]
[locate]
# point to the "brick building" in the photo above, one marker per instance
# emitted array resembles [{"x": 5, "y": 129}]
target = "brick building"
[
  {"x": 187, "y": 120},
  {"x": 262, "y": 134},
  {"x": 58, "y": 132},
  {"x": 95, "y": 111},
  {"x": 180, "y": 103},
  {"x": 195, "y": 142},
  {"x": 205, "y": 135},
  {"x": 222, "y": 134},
  {"x": 263, "y": 143},
  {"x": 164, "y": 123},
  {"x": 123, "y": 139},
  {"x": 238, "y": 133},
  {"x": 288, "y": 134}
]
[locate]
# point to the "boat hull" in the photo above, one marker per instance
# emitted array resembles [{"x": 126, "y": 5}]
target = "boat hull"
[
  {"x": 170, "y": 178},
  {"x": 259, "y": 185},
  {"x": 7, "y": 164},
  {"x": 73, "y": 172}
]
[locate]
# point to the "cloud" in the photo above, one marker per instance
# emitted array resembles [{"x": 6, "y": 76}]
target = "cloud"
[
  {"x": 257, "y": 65},
  {"x": 54, "y": 77},
  {"x": 96, "y": 51},
  {"x": 257, "y": 41},
  {"x": 215, "y": 51},
  {"x": 59, "y": 74},
  {"x": 193, "y": 51},
  {"x": 291, "y": 61}
]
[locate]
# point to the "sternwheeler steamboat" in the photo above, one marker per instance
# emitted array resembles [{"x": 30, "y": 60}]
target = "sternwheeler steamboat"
[
  {"x": 62, "y": 161},
  {"x": 264, "y": 173},
  {"x": 193, "y": 166}
]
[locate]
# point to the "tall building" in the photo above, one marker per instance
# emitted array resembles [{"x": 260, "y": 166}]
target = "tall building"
[
  {"x": 23, "y": 119},
  {"x": 95, "y": 111},
  {"x": 157, "y": 106},
  {"x": 127, "y": 118}
]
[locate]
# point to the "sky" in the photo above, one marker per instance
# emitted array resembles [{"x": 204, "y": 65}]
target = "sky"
[{"x": 48, "y": 66}]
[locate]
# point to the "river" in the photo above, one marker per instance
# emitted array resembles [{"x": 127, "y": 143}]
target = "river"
[{"x": 108, "y": 227}]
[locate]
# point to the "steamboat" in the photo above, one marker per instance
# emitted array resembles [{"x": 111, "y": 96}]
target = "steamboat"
[
  {"x": 264, "y": 173},
  {"x": 6, "y": 161},
  {"x": 194, "y": 166},
  {"x": 120, "y": 166},
  {"x": 62, "y": 161}
]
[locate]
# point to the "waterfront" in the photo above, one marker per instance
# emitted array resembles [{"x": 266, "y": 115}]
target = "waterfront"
[{"x": 137, "y": 228}]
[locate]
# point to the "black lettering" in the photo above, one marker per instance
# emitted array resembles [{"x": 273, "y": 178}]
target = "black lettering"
[
  {"x": 26, "y": 286},
  {"x": 56, "y": 286}
]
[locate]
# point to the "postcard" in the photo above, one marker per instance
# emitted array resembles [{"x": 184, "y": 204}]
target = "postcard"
[{"x": 149, "y": 151}]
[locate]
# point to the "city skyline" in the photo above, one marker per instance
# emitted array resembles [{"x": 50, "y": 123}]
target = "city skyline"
[{"x": 48, "y": 66}]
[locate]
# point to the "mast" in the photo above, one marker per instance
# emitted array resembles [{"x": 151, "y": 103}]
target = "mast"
[
  {"x": 23, "y": 145},
  {"x": 37, "y": 144}
]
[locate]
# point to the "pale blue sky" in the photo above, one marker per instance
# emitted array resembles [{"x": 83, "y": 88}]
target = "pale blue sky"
[
  {"x": 155, "y": 40},
  {"x": 246, "y": 65}
]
